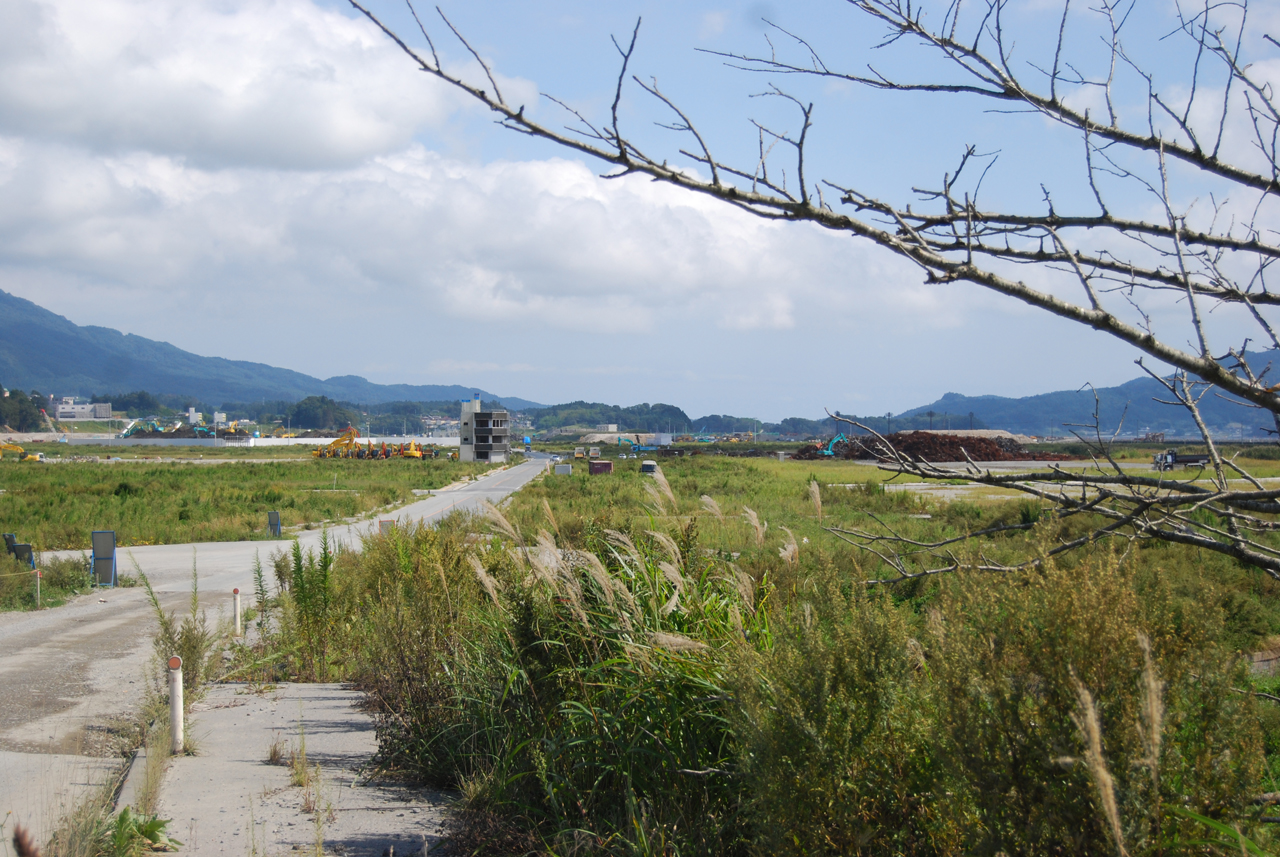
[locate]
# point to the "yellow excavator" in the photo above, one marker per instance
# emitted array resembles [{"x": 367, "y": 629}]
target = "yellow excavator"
[
  {"x": 22, "y": 454},
  {"x": 341, "y": 447}
]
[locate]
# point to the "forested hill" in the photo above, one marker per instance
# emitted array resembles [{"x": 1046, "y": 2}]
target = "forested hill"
[
  {"x": 646, "y": 417},
  {"x": 1134, "y": 402},
  {"x": 43, "y": 351}
]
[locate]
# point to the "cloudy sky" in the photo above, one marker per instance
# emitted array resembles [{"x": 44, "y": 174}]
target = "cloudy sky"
[{"x": 272, "y": 180}]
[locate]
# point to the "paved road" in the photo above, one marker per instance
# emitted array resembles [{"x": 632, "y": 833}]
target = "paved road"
[{"x": 66, "y": 673}]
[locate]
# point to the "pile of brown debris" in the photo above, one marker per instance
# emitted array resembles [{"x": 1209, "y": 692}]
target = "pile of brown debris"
[{"x": 927, "y": 446}]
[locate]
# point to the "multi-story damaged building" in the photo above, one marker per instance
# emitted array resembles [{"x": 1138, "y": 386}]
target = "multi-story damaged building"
[{"x": 483, "y": 435}]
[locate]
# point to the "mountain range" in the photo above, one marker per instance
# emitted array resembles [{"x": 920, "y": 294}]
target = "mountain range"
[
  {"x": 1132, "y": 407},
  {"x": 40, "y": 350}
]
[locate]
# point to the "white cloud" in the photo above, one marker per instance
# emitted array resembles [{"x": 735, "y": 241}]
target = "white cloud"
[
  {"x": 545, "y": 240},
  {"x": 713, "y": 24},
  {"x": 268, "y": 82}
]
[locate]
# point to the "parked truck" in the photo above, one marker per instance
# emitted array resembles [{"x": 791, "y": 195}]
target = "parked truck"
[{"x": 1171, "y": 458}]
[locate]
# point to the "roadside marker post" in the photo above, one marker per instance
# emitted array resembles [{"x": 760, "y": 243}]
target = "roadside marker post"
[
  {"x": 273, "y": 523},
  {"x": 175, "y": 704},
  {"x": 236, "y": 611},
  {"x": 39, "y": 574},
  {"x": 103, "y": 543}
]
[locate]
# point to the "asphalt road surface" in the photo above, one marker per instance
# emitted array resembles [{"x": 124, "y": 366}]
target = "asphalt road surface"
[{"x": 69, "y": 675}]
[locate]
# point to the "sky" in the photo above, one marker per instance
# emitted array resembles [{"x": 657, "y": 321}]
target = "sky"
[{"x": 273, "y": 180}]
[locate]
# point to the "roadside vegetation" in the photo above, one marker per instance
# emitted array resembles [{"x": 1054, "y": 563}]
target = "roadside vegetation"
[
  {"x": 690, "y": 664},
  {"x": 57, "y": 506},
  {"x": 95, "y": 826},
  {"x": 61, "y": 579}
]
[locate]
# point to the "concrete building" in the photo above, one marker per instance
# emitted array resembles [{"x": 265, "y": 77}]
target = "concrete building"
[
  {"x": 483, "y": 435},
  {"x": 67, "y": 409}
]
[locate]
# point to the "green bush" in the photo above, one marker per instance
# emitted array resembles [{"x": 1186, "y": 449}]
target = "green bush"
[{"x": 836, "y": 726}]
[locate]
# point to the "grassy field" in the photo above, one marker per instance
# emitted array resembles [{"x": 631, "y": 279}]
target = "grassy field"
[
  {"x": 56, "y": 506},
  {"x": 611, "y": 666},
  {"x": 54, "y": 449}
]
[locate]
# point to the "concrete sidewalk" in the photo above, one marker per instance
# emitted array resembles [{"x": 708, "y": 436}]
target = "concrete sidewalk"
[{"x": 229, "y": 799}]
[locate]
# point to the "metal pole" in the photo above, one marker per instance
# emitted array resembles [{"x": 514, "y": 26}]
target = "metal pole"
[
  {"x": 175, "y": 704},
  {"x": 236, "y": 611}
]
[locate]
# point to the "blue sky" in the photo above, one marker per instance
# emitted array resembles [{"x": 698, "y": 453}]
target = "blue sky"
[{"x": 273, "y": 181}]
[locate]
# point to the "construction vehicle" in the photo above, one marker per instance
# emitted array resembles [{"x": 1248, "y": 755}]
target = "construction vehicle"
[
  {"x": 579, "y": 452},
  {"x": 341, "y": 447},
  {"x": 1171, "y": 458},
  {"x": 636, "y": 445},
  {"x": 22, "y": 454},
  {"x": 593, "y": 452},
  {"x": 830, "y": 448}
]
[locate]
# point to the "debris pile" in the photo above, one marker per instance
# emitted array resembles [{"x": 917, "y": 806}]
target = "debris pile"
[
  {"x": 186, "y": 432},
  {"x": 928, "y": 446}
]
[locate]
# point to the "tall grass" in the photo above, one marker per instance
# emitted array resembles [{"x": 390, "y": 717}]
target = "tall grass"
[
  {"x": 604, "y": 669},
  {"x": 190, "y": 638}
]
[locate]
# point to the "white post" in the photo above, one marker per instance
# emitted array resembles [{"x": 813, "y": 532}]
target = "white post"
[
  {"x": 236, "y": 611},
  {"x": 175, "y": 704},
  {"x": 38, "y": 576}
]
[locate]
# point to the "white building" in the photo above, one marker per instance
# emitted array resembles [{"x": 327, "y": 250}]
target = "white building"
[{"x": 68, "y": 410}]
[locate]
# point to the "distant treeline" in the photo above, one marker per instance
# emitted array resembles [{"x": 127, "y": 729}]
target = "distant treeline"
[
  {"x": 662, "y": 418},
  {"x": 645, "y": 417},
  {"x": 313, "y": 412},
  {"x": 140, "y": 403},
  {"x": 21, "y": 412},
  {"x": 321, "y": 412}
]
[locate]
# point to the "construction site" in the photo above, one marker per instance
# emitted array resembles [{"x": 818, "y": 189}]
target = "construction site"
[{"x": 923, "y": 445}]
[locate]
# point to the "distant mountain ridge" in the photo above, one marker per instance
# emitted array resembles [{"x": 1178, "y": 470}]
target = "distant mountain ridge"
[
  {"x": 40, "y": 350},
  {"x": 1131, "y": 407}
]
